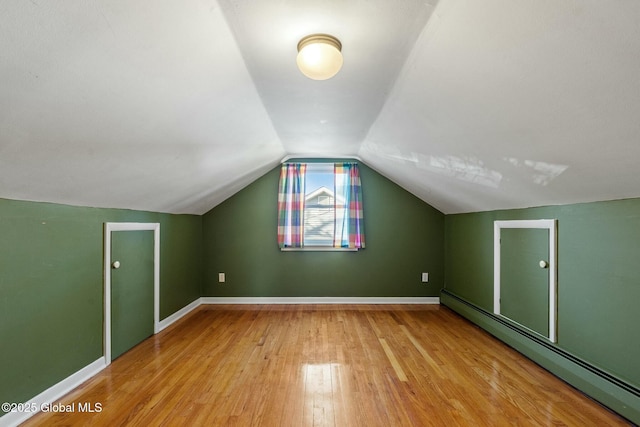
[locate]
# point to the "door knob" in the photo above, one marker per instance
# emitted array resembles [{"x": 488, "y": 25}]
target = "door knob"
[
  {"x": 543, "y": 264},
  {"x": 116, "y": 264}
]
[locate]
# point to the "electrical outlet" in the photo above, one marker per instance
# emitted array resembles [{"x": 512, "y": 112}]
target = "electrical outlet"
[
  {"x": 425, "y": 277},
  {"x": 221, "y": 277}
]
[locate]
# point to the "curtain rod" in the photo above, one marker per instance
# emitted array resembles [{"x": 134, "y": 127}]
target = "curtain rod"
[{"x": 315, "y": 156}]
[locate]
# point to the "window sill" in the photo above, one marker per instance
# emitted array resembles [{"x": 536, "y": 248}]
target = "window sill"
[{"x": 319, "y": 249}]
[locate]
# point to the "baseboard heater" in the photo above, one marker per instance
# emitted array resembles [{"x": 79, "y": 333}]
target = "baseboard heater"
[{"x": 627, "y": 408}]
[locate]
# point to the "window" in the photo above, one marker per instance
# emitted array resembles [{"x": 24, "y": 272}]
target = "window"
[{"x": 320, "y": 206}]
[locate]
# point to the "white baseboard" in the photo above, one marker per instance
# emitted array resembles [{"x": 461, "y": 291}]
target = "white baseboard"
[
  {"x": 53, "y": 393},
  {"x": 169, "y": 320},
  {"x": 320, "y": 300}
]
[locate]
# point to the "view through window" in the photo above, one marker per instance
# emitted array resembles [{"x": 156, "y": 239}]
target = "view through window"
[{"x": 319, "y": 205}]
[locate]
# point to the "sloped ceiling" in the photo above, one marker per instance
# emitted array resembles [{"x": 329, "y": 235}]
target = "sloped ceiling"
[{"x": 173, "y": 106}]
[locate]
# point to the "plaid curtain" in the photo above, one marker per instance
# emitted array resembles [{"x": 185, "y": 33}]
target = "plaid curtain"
[
  {"x": 291, "y": 205},
  {"x": 349, "y": 225}
]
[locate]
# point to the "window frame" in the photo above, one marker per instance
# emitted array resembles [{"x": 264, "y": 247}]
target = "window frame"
[{"x": 330, "y": 165}]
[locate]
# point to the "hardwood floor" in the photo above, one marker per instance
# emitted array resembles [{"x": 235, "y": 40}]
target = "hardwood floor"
[{"x": 326, "y": 365}]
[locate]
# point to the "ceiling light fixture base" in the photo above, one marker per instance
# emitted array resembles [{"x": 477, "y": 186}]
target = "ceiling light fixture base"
[{"x": 319, "y": 56}]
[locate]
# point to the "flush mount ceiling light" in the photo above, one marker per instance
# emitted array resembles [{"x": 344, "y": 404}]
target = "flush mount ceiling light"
[{"x": 319, "y": 56}]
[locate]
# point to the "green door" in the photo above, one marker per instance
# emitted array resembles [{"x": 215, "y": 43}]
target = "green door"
[
  {"x": 131, "y": 289},
  {"x": 524, "y": 283}
]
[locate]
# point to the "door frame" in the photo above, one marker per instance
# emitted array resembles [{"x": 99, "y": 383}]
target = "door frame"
[
  {"x": 552, "y": 226},
  {"x": 129, "y": 226}
]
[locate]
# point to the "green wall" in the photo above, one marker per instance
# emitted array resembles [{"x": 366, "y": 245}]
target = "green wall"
[
  {"x": 404, "y": 237},
  {"x": 51, "y": 287},
  {"x": 598, "y": 276}
]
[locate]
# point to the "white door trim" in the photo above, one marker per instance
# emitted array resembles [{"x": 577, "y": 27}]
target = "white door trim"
[
  {"x": 549, "y": 224},
  {"x": 129, "y": 226}
]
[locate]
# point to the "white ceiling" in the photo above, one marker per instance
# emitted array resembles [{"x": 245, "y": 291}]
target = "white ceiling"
[{"x": 173, "y": 106}]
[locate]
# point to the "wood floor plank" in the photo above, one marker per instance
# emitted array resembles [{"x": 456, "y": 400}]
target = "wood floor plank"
[
  {"x": 392, "y": 359},
  {"x": 326, "y": 365}
]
